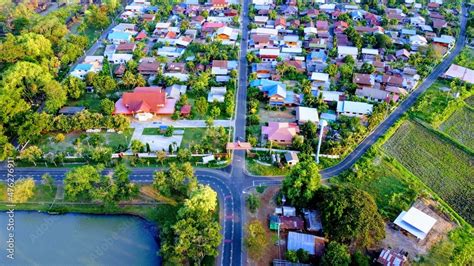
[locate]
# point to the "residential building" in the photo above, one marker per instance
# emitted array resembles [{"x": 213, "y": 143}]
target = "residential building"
[
  {"x": 306, "y": 114},
  {"x": 217, "y": 94},
  {"x": 350, "y": 108},
  {"x": 415, "y": 222},
  {"x": 280, "y": 132}
]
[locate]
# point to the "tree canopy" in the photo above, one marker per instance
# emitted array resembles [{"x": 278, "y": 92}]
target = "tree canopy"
[
  {"x": 301, "y": 183},
  {"x": 350, "y": 215}
]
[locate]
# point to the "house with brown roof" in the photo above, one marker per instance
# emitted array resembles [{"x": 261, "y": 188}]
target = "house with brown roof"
[
  {"x": 126, "y": 47},
  {"x": 393, "y": 80},
  {"x": 364, "y": 80},
  {"x": 148, "y": 66}
]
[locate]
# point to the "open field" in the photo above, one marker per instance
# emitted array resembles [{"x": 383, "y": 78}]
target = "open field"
[
  {"x": 385, "y": 182},
  {"x": 90, "y": 101},
  {"x": 460, "y": 126},
  {"x": 433, "y": 102},
  {"x": 258, "y": 169},
  {"x": 192, "y": 136},
  {"x": 445, "y": 169}
]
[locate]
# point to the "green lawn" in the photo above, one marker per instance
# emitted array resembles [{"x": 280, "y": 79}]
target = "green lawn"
[
  {"x": 89, "y": 100},
  {"x": 259, "y": 169},
  {"x": 192, "y": 136},
  {"x": 433, "y": 102},
  {"x": 465, "y": 58},
  {"x": 385, "y": 182},
  {"x": 151, "y": 131},
  {"x": 441, "y": 166},
  {"x": 43, "y": 193},
  {"x": 116, "y": 140},
  {"x": 460, "y": 126}
]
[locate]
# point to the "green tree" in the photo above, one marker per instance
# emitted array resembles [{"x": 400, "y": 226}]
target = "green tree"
[
  {"x": 6, "y": 148},
  {"x": 176, "y": 181},
  {"x": 301, "y": 183},
  {"x": 350, "y": 215},
  {"x": 201, "y": 106},
  {"x": 107, "y": 106},
  {"x": 291, "y": 256},
  {"x": 256, "y": 241},
  {"x": 137, "y": 146},
  {"x": 183, "y": 155},
  {"x": 336, "y": 254},
  {"x": 104, "y": 84},
  {"x": 125, "y": 189},
  {"x": 24, "y": 190},
  {"x": 74, "y": 87},
  {"x": 215, "y": 112},
  {"x": 253, "y": 202},
  {"x": 31, "y": 154},
  {"x": 80, "y": 182},
  {"x": 161, "y": 157}
]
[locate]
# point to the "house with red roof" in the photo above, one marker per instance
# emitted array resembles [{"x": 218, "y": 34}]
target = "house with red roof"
[
  {"x": 144, "y": 102},
  {"x": 281, "y": 133},
  {"x": 141, "y": 36},
  {"x": 219, "y": 4}
]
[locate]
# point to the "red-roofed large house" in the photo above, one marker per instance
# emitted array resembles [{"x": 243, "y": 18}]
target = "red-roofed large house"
[
  {"x": 280, "y": 133},
  {"x": 145, "y": 100}
]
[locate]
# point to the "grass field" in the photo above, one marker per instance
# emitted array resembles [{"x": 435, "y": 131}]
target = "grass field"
[
  {"x": 470, "y": 101},
  {"x": 192, "y": 136},
  {"x": 433, "y": 102},
  {"x": 460, "y": 126},
  {"x": 441, "y": 166},
  {"x": 90, "y": 101},
  {"x": 259, "y": 169},
  {"x": 386, "y": 183}
]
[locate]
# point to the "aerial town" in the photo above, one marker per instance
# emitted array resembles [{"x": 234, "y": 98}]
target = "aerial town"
[{"x": 237, "y": 132}]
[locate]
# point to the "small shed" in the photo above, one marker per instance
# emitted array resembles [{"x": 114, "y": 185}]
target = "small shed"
[
  {"x": 313, "y": 221},
  {"x": 185, "y": 110},
  {"x": 291, "y": 158},
  {"x": 291, "y": 223},
  {"x": 274, "y": 221}
]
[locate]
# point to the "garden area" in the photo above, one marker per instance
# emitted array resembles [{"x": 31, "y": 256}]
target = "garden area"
[
  {"x": 443, "y": 167},
  {"x": 460, "y": 126}
]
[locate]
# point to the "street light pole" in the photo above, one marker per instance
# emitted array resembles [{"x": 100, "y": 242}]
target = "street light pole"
[{"x": 322, "y": 124}]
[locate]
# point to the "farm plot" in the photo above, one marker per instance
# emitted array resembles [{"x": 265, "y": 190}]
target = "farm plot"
[
  {"x": 460, "y": 126},
  {"x": 441, "y": 166}
]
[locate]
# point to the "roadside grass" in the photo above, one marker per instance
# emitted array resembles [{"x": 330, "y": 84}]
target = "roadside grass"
[
  {"x": 460, "y": 126},
  {"x": 192, "y": 136},
  {"x": 433, "y": 102},
  {"x": 44, "y": 193},
  {"x": 151, "y": 131},
  {"x": 3, "y": 191},
  {"x": 443, "y": 167},
  {"x": 89, "y": 100},
  {"x": 388, "y": 184},
  {"x": 255, "y": 168},
  {"x": 465, "y": 58}
]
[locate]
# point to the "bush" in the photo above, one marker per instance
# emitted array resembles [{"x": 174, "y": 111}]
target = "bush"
[{"x": 253, "y": 202}]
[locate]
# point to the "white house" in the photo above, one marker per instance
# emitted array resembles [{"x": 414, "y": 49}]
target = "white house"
[
  {"x": 343, "y": 51},
  {"x": 120, "y": 58},
  {"x": 349, "y": 108},
  {"x": 417, "y": 21},
  {"x": 417, "y": 41},
  {"x": 306, "y": 114},
  {"x": 415, "y": 222},
  {"x": 217, "y": 94}
]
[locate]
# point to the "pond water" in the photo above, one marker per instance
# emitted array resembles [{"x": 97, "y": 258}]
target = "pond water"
[{"x": 79, "y": 239}]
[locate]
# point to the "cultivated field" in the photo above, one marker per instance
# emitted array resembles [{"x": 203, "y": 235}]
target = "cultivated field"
[
  {"x": 460, "y": 126},
  {"x": 445, "y": 169}
]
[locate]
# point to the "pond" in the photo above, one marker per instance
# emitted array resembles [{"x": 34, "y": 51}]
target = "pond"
[{"x": 79, "y": 239}]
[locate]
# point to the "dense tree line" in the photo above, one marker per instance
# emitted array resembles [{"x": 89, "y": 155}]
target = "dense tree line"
[
  {"x": 195, "y": 234},
  {"x": 33, "y": 53}
]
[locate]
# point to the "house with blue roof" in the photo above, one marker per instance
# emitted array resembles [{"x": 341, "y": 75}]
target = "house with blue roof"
[
  {"x": 119, "y": 37},
  {"x": 357, "y": 15},
  {"x": 81, "y": 70}
]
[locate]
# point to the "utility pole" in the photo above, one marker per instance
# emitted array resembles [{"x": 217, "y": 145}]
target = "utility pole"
[{"x": 322, "y": 124}]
